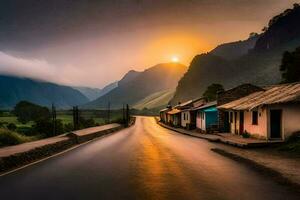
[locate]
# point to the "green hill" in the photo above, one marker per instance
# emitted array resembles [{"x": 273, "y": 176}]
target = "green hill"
[{"x": 158, "y": 99}]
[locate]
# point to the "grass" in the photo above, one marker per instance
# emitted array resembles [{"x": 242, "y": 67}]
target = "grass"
[
  {"x": 13, "y": 119},
  {"x": 292, "y": 145},
  {"x": 66, "y": 119},
  {"x": 8, "y": 137}
]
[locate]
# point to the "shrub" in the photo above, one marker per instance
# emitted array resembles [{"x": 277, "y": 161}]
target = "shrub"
[
  {"x": 26, "y": 111},
  {"x": 11, "y": 127},
  {"x": 246, "y": 134},
  {"x": 8, "y": 137},
  {"x": 43, "y": 126},
  {"x": 68, "y": 127}
]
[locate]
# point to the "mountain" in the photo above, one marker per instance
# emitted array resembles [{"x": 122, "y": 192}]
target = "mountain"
[
  {"x": 236, "y": 49},
  {"x": 260, "y": 65},
  {"x": 90, "y": 93},
  {"x": 108, "y": 88},
  {"x": 94, "y": 93},
  {"x": 15, "y": 89},
  {"x": 135, "y": 86}
]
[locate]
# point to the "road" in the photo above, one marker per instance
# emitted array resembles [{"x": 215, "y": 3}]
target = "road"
[{"x": 145, "y": 161}]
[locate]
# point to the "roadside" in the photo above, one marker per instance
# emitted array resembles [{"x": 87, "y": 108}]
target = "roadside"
[
  {"x": 16, "y": 156},
  {"x": 282, "y": 165}
]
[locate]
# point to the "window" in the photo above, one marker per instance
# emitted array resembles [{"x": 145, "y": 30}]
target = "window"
[
  {"x": 231, "y": 117},
  {"x": 254, "y": 117}
]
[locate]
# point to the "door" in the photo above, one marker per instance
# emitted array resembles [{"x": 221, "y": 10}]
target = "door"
[
  {"x": 241, "y": 122},
  {"x": 275, "y": 123},
  {"x": 226, "y": 122}
]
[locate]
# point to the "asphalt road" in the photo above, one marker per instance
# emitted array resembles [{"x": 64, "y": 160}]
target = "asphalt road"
[{"x": 145, "y": 161}]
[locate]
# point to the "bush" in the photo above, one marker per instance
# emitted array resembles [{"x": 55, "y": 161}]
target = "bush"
[
  {"x": 11, "y": 127},
  {"x": 8, "y": 137},
  {"x": 43, "y": 126},
  {"x": 26, "y": 111},
  {"x": 68, "y": 127},
  {"x": 86, "y": 123},
  {"x": 246, "y": 135}
]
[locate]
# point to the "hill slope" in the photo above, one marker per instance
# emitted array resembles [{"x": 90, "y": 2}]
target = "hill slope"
[
  {"x": 157, "y": 78},
  {"x": 14, "y": 89},
  {"x": 156, "y": 100},
  {"x": 259, "y": 66}
]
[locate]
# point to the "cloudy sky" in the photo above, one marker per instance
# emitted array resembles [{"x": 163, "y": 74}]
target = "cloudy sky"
[{"x": 92, "y": 43}]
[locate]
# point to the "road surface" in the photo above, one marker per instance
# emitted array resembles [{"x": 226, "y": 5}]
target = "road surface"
[{"x": 145, "y": 161}]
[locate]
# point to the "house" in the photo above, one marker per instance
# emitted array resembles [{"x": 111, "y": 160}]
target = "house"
[
  {"x": 229, "y": 96},
  {"x": 163, "y": 114},
  {"x": 174, "y": 117},
  {"x": 207, "y": 117},
  {"x": 188, "y": 114},
  {"x": 273, "y": 113}
]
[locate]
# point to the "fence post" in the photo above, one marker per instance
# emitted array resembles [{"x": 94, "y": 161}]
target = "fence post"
[{"x": 53, "y": 119}]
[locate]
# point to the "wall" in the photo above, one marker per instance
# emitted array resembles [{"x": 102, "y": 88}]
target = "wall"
[
  {"x": 290, "y": 118},
  {"x": 200, "y": 121},
  {"x": 185, "y": 120},
  {"x": 261, "y": 129}
]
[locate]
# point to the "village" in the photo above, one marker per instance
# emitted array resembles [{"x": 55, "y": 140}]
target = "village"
[{"x": 247, "y": 113}]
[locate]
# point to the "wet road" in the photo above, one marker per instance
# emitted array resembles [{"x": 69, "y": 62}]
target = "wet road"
[{"x": 145, "y": 161}]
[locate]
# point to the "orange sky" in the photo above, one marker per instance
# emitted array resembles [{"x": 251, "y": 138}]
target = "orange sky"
[{"x": 97, "y": 43}]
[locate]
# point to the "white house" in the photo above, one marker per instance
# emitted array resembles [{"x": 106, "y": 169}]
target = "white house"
[{"x": 273, "y": 113}]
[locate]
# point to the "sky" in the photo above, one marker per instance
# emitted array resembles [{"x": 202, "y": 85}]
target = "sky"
[{"x": 93, "y": 43}]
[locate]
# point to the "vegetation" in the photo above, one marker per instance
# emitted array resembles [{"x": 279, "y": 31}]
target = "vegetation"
[
  {"x": 292, "y": 145},
  {"x": 290, "y": 66},
  {"x": 26, "y": 111},
  {"x": 8, "y": 137},
  {"x": 212, "y": 91}
]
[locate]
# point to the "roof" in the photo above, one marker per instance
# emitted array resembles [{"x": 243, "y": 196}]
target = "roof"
[
  {"x": 184, "y": 104},
  {"x": 210, "y": 104},
  {"x": 165, "y": 109},
  {"x": 276, "y": 94},
  {"x": 174, "y": 111}
]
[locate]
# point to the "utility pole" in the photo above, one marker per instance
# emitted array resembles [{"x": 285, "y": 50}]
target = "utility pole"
[
  {"x": 75, "y": 117},
  {"x": 53, "y": 119},
  {"x": 108, "y": 113},
  {"x": 123, "y": 113},
  {"x": 127, "y": 115}
]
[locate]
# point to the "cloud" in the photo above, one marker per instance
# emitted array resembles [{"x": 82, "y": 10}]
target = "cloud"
[{"x": 36, "y": 69}]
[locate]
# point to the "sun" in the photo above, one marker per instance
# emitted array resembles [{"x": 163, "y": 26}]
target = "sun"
[{"x": 175, "y": 59}]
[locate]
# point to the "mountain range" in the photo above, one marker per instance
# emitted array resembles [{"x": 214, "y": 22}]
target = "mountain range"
[
  {"x": 255, "y": 60},
  {"x": 14, "y": 89},
  {"x": 136, "y": 86},
  {"x": 94, "y": 93}
]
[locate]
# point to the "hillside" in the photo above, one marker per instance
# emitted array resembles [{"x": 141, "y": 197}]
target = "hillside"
[
  {"x": 14, "y": 89},
  {"x": 142, "y": 84},
  {"x": 156, "y": 100},
  {"x": 259, "y": 66},
  {"x": 236, "y": 49}
]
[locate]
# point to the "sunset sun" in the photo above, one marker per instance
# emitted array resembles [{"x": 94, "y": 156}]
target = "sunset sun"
[{"x": 175, "y": 59}]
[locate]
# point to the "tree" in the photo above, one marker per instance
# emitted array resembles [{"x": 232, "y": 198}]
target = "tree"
[
  {"x": 26, "y": 111},
  {"x": 290, "y": 66},
  {"x": 211, "y": 92}
]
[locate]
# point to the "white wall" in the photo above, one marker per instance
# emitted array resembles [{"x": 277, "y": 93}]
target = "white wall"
[
  {"x": 187, "y": 119},
  {"x": 290, "y": 119}
]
